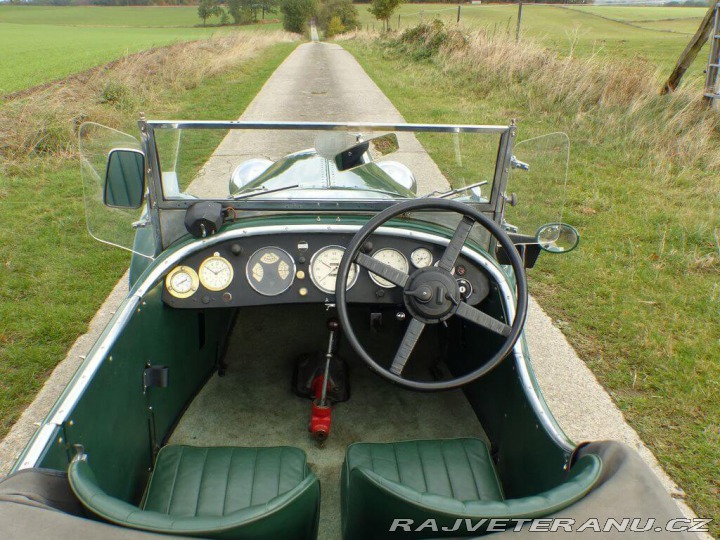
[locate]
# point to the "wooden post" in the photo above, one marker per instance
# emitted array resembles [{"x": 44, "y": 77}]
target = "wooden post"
[
  {"x": 517, "y": 30},
  {"x": 690, "y": 52},
  {"x": 458, "y": 18},
  {"x": 398, "y": 22}
]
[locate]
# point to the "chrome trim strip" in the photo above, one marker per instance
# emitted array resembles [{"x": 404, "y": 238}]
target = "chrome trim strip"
[
  {"x": 328, "y": 126},
  {"x": 121, "y": 318},
  {"x": 42, "y": 439}
]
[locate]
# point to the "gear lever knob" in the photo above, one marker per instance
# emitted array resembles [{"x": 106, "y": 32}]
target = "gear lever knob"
[{"x": 333, "y": 324}]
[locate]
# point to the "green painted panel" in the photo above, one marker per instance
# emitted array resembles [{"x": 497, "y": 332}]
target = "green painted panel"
[{"x": 111, "y": 420}]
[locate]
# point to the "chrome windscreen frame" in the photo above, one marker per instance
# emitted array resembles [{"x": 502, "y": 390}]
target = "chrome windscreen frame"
[{"x": 493, "y": 208}]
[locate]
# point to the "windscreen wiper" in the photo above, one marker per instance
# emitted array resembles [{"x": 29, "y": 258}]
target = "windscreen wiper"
[
  {"x": 261, "y": 191},
  {"x": 442, "y": 195}
]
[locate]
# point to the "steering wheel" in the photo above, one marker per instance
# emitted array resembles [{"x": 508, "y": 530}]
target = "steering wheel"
[{"x": 431, "y": 294}]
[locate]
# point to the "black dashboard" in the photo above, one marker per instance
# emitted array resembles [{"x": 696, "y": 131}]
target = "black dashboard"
[{"x": 300, "y": 268}]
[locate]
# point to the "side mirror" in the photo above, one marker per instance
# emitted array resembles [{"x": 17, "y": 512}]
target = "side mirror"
[
  {"x": 557, "y": 237},
  {"x": 124, "y": 179},
  {"x": 365, "y": 151}
]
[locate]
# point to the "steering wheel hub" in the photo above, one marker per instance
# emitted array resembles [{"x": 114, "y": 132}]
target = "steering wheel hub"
[{"x": 432, "y": 295}]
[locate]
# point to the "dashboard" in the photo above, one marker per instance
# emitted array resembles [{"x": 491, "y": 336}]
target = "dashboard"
[{"x": 302, "y": 268}]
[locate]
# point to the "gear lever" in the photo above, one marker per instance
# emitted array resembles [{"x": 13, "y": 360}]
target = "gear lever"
[{"x": 321, "y": 414}]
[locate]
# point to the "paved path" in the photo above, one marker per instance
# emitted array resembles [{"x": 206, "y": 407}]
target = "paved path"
[{"x": 323, "y": 82}]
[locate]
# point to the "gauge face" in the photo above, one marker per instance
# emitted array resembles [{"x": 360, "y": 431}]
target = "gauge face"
[
  {"x": 421, "y": 258},
  {"x": 393, "y": 258},
  {"x": 324, "y": 267},
  {"x": 215, "y": 273},
  {"x": 182, "y": 282},
  {"x": 270, "y": 271}
]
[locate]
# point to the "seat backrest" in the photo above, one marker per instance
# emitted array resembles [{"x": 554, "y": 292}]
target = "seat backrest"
[{"x": 259, "y": 521}]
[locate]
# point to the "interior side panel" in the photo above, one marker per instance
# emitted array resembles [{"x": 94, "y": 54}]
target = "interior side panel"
[{"x": 112, "y": 418}]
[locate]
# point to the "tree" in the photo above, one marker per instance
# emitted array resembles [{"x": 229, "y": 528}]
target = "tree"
[
  {"x": 383, "y": 10},
  {"x": 297, "y": 14},
  {"x": 344, "y": 10},
  {"x": 209, "y": 8},
  {"x": 241, "y": 10},
  {"x": 268, "y": 6}
]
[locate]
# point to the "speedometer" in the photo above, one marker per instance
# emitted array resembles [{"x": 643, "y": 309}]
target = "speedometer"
[
  {"x": 270, "y": 271},
  {"x": 394, "y": 259},
  {"x": 324, "y": 267},
  {"x": 215, "y": 273}
]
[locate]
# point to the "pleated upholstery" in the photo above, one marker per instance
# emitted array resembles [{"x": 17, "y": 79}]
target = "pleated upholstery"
[
  {"x": 217, "y": 481},
  {"x": 460, "y": 469}
]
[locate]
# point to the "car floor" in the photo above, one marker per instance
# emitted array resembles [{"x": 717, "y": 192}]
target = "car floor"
[{"x": 253, "y": 405}]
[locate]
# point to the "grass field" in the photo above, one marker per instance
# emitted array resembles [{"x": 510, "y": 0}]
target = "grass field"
[
  {"x": 605, "y": 31},
  {"x": 42, "y": 44},
  {"x": 53, "y": 280}
]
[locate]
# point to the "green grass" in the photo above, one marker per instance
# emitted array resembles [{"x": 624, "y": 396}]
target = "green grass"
[
  {"x": 639, "y": 299},
  {"x": 586, "y": 30},
  {"x": 54, "y": 279},
  {"x": 50, "y": 43},
  {"x": 135, "y": 17}
]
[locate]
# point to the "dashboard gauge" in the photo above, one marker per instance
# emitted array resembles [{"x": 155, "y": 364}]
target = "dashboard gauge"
[
  {"x": 270, "y": 271},
  {"x": 421, "y": 258},
  {"x": 182, "y": 282},
  {"x": 394, "y": 259},
  {"x": 215, "y": 273},
  {"x": 324, "y": 267}
]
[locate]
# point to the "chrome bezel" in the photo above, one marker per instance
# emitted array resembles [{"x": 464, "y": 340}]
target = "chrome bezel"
[
  {"x": 216, "y": 257},
  {"x": 312, "y": 273},
  {"x": 375, "y": 279},
  {"x": 292, "y": 272},
  {"x": 194, "y": 285},
  {"x": 412, "y": 255}
]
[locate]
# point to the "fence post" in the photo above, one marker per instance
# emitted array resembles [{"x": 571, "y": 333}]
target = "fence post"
[
  {"x": 458, "y": 18},
  {"x": 517, "y": 30},
  {"x": 398, "y": 22}
]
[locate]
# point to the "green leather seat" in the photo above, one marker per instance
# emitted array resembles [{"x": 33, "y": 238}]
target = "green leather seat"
[
  {"x": 218, "y": 492},
  {"x": 441, "y": 480}
]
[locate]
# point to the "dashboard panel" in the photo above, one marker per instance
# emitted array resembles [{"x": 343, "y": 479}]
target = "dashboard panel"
[{"x": 301, "y": 268}]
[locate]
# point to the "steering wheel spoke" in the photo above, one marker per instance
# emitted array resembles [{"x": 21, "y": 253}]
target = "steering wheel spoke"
[
  {"x": 412, "y": 335},
  {"x": 452, "y": 251},
  {"x": 396, "y": 277},
  {"x": 476, "y": 316}
]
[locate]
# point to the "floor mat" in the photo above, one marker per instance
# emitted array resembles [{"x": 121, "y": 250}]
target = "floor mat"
[{"x": 253, "y": 405}]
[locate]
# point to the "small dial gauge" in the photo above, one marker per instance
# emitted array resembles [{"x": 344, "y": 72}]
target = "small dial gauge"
[
  {"x": 215, "y": 273},
  {"x": 182, "y": 282},
  {"x": 324, "y": 267},
  {"x": 421, "y": 258},
  {"x": 270, "y": 271},
  {"x": 394, "y": 259}
]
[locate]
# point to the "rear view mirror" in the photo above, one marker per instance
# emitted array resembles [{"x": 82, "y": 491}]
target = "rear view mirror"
[
  {"x": 366, "y": 151},
  {"x": 557, "y": 237},
  {"x": 124, "y": 179}
]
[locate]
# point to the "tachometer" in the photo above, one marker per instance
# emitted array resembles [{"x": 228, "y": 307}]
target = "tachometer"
[
  {"x": 324, "y": 268},
  {"x": 215, "y": 273},
  {"x": 270, "y": 271},
  {"x": 182, "y": 282},
  {"x": 421, "y": 258},
  {"x": 394, "y": 259}
]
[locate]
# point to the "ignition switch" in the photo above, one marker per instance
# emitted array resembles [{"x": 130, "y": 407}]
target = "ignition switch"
[{"x": 465, "y": 288}]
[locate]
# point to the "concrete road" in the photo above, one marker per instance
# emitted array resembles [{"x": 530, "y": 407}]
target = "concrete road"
[{"x": 323, "y": 82}]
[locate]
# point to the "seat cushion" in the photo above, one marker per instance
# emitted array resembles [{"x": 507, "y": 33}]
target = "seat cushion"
[
  {"x": 457, "y": 468},
  {"x": 217, "y": 481}
]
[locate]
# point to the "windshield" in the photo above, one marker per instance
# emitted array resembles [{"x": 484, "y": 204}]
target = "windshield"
[{"x": 308, "y": 163}]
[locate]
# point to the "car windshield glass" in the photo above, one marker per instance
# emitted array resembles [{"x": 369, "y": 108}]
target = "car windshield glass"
[{"x": 243, "y": 163}]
